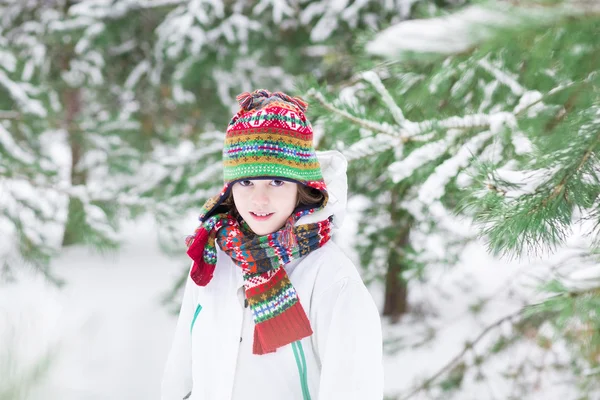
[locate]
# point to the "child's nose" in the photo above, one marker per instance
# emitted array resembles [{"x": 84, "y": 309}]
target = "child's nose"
[{"x": 260, "y": 197}]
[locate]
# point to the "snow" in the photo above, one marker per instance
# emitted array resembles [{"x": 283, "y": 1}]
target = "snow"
[
  {"x": 70, "y": 24},
  {"x": 36, "y": 211},
  {"x": 527, "y": 181},
  {"x": 8, "y": 61},
  {"x": 405, "y": 167},
  {"x": 375, "y": 126},
  {"x": 503, "y": 77},
  {"x": 373, "y": 79},
  {"x": 15, "y": 151},
  {"x": 113, "y": 332},
  {"x": 521, "y": 143},
  {"x": 434, "y": 186},
  {"x": 106, "y": 330},
  {"x": 90, "y": 33},
  {"x": 280, "y": 8},
  {"x": 28, "y": 332},
  {"x": 20, "y": 92},
  {"x": 488, "y": 92},
  {"x": 530, "y": 100},
  {"x": 446, "y": 35},
  {"x": 371, "y": 145},
  {"x": 136, "y": 74}
]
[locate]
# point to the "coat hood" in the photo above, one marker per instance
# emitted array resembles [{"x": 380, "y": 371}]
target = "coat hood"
[{"x": 333, "y": 167}]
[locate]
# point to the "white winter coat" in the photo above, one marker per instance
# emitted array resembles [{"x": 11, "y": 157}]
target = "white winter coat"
[{"x": 211, "y": 354}]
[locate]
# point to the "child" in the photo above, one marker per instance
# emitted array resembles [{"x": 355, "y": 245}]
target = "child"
[{"x": 273, "y": 309}]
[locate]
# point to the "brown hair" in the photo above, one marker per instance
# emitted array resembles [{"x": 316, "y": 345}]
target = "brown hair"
[{"x": 307, "y": 196}]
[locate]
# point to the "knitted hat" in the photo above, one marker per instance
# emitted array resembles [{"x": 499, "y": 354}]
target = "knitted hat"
[{"x": 269, "y": 138}]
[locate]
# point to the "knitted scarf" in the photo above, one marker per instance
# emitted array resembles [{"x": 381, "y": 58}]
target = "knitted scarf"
[{"x": 279, "y": 317}]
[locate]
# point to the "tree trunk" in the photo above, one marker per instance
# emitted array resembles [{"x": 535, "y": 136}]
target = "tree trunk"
[
  {"x": 71, "y": 98},
  {"x": 396, "y": 290},
  {"x": 76, "y": 215}
]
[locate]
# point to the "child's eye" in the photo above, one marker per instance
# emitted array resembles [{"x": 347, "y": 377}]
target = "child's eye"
[
  {"x": 276, "y": 182},
  {"x": 245, "y": 183}
]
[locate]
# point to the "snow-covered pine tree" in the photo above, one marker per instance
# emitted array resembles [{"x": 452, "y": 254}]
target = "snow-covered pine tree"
[
  {"x": 29, "y": 208},
  {"x": 505, "y": 132},
  {"x": 214, "y": 50},
  {"x": 72, "y": 126}
]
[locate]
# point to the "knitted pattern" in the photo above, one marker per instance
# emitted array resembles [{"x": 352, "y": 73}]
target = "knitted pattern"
[
  {"x": 269, "y": 138},
  {"x": 278, "y": 315}
]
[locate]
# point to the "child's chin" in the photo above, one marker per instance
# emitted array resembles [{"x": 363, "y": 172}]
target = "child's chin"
[{"x": 261, "y": 231}]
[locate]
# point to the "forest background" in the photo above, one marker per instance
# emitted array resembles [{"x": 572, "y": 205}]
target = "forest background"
[{"x": 472, "y": 130}]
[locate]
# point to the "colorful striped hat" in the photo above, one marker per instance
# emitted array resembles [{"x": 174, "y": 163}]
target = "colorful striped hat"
[{"x": 268, "y": 138}]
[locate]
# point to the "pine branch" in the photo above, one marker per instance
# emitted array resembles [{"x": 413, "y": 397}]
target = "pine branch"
[
  {"x": 409, "y": 129},
  {"x": 503, "y": 77},
  {"x": 433, "y": 187},
  {"x": 469, "y": 346},
  {"x": 471, "y": 121},
  {"x": 561, "y": 185},
  {"x": 10, "y": 115},
  {"x": 371, "y": 145},
  {"x": 556, "y": 90},
  {"x": 373, "y": 79},
  {"x": 358, "y": 121},
  {"x": 404, "y": 168}
]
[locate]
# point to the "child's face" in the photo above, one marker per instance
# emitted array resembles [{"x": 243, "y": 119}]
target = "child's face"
[{"x": 257, "y": 197}]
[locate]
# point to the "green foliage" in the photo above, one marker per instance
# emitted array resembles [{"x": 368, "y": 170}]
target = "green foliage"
[{"x": 505, "y": 133}]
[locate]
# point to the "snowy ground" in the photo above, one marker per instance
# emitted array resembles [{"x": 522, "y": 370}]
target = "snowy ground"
[
  {"x": 111, "y": 330},
  {"x": 111, "y": 334}
]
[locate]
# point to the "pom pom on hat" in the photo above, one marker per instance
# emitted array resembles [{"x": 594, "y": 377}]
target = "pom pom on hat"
[{"x": 249, "y": 101}]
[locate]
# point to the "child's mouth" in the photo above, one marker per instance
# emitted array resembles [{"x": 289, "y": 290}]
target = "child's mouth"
[{"x": 261, "y": 216}]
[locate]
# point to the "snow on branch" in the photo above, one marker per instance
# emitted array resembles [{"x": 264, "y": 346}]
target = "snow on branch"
[
  {"x": 503, "y": 77},
  {"x": 409, "y": 130},
  {"x": 96, "y": 219},
  {"x": 375, "y": 126},
  {"x": 280, "y": 9},
  {"x": 396, "y": 111},
  {"x": 13, "y": 149},
  {"x": 448, "y": 34},
  {"x": 372, "y": 145},
  {"x": 433, "y": 188},
  {"x": 160, "y": 3},
  {"x": 532, "y": 99},
  {"x": 527, "y": 101},
  {"x": 101, "y": 9},
  {"x": 404, "y": 168},
  {"x": 521, "y": 143},
  {"x": 8, "y": 61},
  {"x": 492, "y": 121},
  {"x": 20, "y": 93}
]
